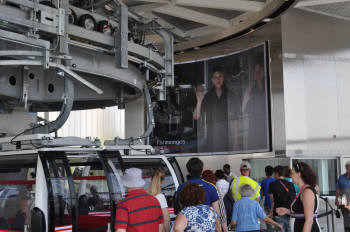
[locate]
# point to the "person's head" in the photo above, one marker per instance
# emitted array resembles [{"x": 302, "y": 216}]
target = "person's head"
[
  {"x": 209, "y": 176},
  {"x": 227, "y": 169},
  {"x": 219, "y": 174},
  {"x": 23, "y": 205},
  {"x": 194, "y": 167},
  {"x": 158, "y": 178},
  {"x": 259, "y": 70},
  {"x": 246, "y": 190},
  {"x": 347, "y": 167},
  {"x": 218, "y": 77},
  {"x": 93, "y": 190},
  {"x": 132, "y": 179},
  {"x": 245, "y": 168},
  {"x": 287, "y": 171},
  {"x": 268, "y": 170},
  {"x": 302, "y": 173},
  {"x": 192, "y": 194},
  {"x": 278, "y": 171}
]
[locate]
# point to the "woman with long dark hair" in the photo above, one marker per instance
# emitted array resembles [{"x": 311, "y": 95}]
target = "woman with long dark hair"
[{"x": 305, "y": 205}]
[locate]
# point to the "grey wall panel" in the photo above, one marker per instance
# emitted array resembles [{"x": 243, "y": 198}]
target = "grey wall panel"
[
  {"x": 341, "y": 35},
  {"x": 307, "y": 33},
  {"x": 277, "y": 104},
  {"x": 294, "y": 95},
  {"x": 321, "y": 104},
  {"x": 343, "y": 86},
  {"x": 316, "y": 81}
]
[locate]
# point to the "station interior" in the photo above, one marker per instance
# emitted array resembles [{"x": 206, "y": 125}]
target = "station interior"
[{"x": 90, "y": 81}]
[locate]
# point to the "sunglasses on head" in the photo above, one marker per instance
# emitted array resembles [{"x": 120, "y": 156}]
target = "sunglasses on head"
[{"x": 297, "y": 167}]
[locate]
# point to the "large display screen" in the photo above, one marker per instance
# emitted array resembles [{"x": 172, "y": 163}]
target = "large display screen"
[{"x": 218, "y": 105}]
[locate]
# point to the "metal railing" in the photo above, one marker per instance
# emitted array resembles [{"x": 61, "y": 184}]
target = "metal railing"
[{"x": 329, "y": 211}]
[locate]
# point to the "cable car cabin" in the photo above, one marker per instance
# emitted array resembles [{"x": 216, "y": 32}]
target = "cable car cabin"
[
  {"x": 148, "y": 164},
  {"x": 36, "y": 193},
  {"x": 49, "y": 190},
  {"x": 98, "y": 189}
]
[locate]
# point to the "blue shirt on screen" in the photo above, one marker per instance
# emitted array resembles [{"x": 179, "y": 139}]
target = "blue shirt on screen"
[
  {"x": 265, "y": 189},
  {"x": 211, "y": 194},
  {"x": 246, "y": 213},
  {"x": 343, "y": 182}
]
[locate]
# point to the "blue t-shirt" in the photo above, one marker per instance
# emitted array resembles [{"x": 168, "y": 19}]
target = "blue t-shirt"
[
  {"x": 246, "y": 213},
  {"x": 265, "y": 189},
  {"x": 343, "y": 182},
  {"x": 211, "y": 194}
]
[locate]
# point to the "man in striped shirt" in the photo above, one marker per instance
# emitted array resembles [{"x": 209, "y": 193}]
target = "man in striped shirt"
[{"x": 138, "y": 211}]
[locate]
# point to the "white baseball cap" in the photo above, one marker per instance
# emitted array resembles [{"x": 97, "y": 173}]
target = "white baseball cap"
[{"x": 244, "y": 165}]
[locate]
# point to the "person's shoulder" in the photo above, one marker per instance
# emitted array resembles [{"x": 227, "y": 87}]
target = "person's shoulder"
[
  {"x": 273, "y": 184},
  {"x": 208, "y": 185},
  {"x": 183, "y": 185},
  {"x": 160, "y": 196},
  {"x": 308, "y": 191},
  {"x": 185, "y": 210},
  {"x": 222, "y": 182},
  {"x": 251, "y": 180},
  {"x": 151, "y": 199},
  {"x": 247, "y": 200},
  {"x": 288, "y": 183}
]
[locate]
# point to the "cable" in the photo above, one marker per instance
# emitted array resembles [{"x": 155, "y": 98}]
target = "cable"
[{"x": 26, "y": 130}]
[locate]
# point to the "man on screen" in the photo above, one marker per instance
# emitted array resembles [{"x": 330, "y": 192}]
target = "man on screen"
[{"x": 218, "y": 109}]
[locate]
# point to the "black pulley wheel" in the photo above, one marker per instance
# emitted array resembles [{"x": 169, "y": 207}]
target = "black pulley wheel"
[
  {"x": 72, "y": 17},
  {"x": 88, "y": 22},
  {"x": 105, "y": 27}
]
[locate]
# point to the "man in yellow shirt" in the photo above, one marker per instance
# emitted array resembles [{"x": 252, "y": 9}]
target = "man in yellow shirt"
[{"x": 245, "y": 179}]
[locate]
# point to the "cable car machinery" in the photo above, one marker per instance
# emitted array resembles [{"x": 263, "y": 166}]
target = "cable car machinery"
[{"x": 48, "y": 63}]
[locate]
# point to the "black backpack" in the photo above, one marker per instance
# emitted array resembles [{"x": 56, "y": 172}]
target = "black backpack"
[{"x": 228, "y": 202}]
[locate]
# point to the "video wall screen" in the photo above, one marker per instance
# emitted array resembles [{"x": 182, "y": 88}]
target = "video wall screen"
[{"x": 218, "y": 105}]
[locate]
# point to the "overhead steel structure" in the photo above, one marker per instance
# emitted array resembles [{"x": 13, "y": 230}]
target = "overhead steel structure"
[{"x": 54, "y": 56}]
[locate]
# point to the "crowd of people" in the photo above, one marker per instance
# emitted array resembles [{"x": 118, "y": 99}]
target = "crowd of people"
[{"x": 222, "y": 201}]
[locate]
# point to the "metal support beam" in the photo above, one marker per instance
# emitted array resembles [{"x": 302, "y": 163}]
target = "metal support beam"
[
  {"x": 317, "y": 2},
  {"x": 60, "y": 66},
  {"x": 168, "y": 40},
  {"x": 237, "y": 5},
  {"x": 121, "y": 39},
  {"x": 77, "y": 77},
  {"x": 192, "y": 15},
  {"x": 16, "y": 37},
  {"x": 63, "y": 23}
]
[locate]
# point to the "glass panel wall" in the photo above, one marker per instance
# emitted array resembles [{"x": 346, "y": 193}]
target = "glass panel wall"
[
  {"x": 258, "y": 166},
  {"x": 326, "y": 170}
]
